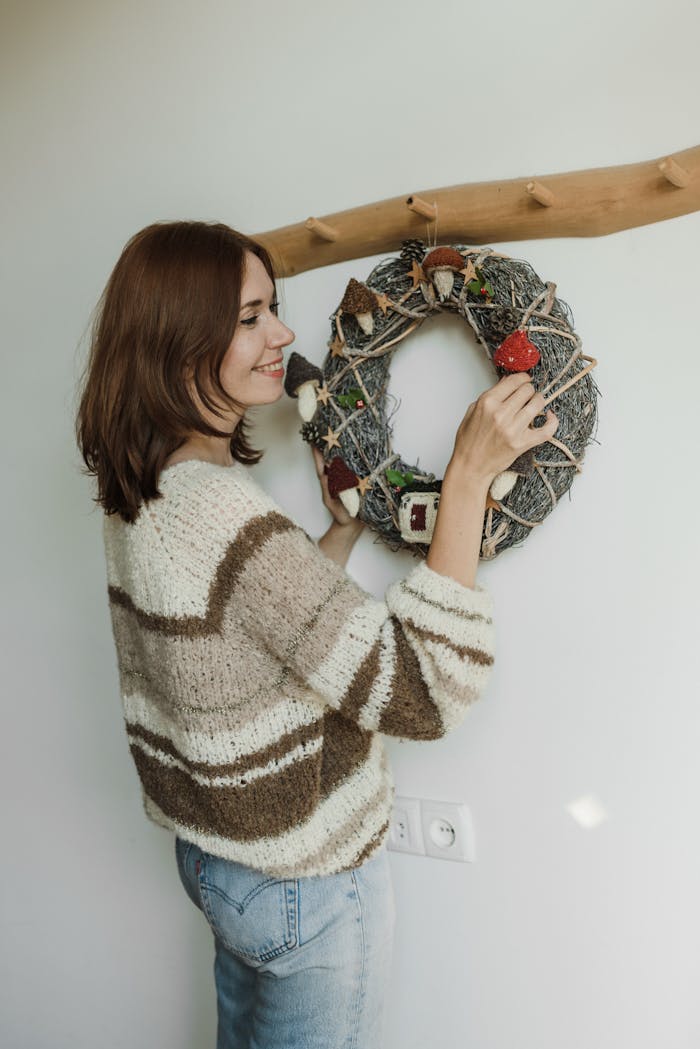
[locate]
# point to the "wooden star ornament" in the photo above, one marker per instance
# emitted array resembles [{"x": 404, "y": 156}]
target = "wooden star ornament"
[
  {"x": 416, "y": 274},
  {"x": 383, "y": 303},
  {"x": 331, "y": 439},
  {"x": 322, "y": 394},
  {"x": 363, "y": 484},
  {"x": 338, "y": 347},
  {"x": 469, "y": 272}
]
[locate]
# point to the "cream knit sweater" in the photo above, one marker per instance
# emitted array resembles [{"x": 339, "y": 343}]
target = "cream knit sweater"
[{"x": 257, "y": 678}]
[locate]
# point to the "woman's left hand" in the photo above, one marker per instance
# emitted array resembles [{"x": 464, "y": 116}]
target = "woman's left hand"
[{"x": 335, "y": 506}]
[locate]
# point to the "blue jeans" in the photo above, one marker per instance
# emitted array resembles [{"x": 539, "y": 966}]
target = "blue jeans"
[{"x": 299, "y": 962}]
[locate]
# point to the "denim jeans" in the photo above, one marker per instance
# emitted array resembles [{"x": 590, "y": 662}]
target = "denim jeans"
[{"x": 299, "y": 962}]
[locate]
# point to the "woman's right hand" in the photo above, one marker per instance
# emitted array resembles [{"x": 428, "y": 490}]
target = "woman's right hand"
[{"x": 497, "y": 428}]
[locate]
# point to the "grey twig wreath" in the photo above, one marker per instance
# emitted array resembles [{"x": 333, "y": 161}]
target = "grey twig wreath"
[{"x": 521, "y": 325}]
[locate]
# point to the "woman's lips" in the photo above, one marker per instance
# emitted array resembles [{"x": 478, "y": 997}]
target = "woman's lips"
[{"x": 271, "y": 369}]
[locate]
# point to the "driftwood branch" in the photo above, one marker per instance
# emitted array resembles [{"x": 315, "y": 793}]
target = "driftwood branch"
[{"x": 587, "y": 203}]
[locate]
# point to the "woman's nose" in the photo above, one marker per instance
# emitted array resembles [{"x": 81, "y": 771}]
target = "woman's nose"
[{"x": 282, "y": 335}]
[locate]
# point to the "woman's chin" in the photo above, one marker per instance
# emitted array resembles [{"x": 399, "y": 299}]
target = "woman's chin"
[{"x": 274, "y": 395}]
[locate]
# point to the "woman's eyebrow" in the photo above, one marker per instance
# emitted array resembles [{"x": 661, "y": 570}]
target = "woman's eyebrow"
[{"x": 257, "y": 302}]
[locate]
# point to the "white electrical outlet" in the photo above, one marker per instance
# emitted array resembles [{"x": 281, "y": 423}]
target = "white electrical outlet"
[
  {"x": 442, "y": 829},
  {"x": 448, "y": 831},
  {"x": 405, "y": 829}
]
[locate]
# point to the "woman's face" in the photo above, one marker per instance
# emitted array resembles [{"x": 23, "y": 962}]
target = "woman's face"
[{"x": 257, "y": 343}]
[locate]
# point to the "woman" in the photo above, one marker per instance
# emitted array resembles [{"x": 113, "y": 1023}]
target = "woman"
[{"x": 257, "y": 679}]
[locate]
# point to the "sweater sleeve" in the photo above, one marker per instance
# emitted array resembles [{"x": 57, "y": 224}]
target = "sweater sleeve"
[{"x": 408, "y": 666}]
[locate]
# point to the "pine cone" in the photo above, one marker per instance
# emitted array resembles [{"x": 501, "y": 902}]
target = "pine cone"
[
  {"x": 311, "y": 433},
  {"x": 501, "y": 321},
  {"x": 412, "y": 250}
]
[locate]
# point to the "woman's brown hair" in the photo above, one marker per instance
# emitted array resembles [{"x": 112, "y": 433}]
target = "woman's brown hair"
[{"x": 168, "y": 312}]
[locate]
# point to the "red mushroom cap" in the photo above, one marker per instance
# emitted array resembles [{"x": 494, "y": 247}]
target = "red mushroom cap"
[
  {"x": 442, "y": 258},
  {"x": 340, "y": 477},
  {"x": 516, "y": 353}
]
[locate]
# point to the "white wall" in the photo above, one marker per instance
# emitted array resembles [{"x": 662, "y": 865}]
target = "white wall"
[{"x": 118, "y": 114}]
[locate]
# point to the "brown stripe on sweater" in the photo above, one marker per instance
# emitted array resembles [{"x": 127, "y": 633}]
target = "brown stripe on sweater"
[
  {"x": 268, "y": 806},
  {"x": 248, "y": 542},
  {"x": 360, "y": 687},
  {"x": 374, "y": 843},
  {"x": 345, "y": 748},
  {"x": 257, "y": 759},
  {"x": 465, "y": 651},
  {"x": 411, "y": 712}
]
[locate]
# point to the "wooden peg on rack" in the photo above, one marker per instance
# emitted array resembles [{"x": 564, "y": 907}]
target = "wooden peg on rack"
[
  {"x": 321, "y": 229},
  {"x": 672, "y": 171},
  {"x": 421, "y": 207},
  {"x": 542, "y": 195}
]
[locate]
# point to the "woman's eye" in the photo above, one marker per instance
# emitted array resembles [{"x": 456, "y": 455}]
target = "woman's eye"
[{"x": 250, "y": 321}]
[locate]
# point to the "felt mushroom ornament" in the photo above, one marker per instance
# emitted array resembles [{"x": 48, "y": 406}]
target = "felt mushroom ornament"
[
  {"x": 503, "y": 482},
  {"x": 440, "y": 266},
  {"x": 516, "y": 353},
  {"x": 342, "y": 484},
  {"x": 301, "y": 381},
  {"x": 360, "y": 301}
]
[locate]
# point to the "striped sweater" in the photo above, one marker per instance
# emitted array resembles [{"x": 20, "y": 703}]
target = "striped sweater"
[{"x": 258, "y": 679}]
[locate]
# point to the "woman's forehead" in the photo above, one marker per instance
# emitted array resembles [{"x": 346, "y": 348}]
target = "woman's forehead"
[{"x": 256, "y": 279}]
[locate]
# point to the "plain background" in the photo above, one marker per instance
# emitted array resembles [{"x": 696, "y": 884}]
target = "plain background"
[{"x": 115, "y": 115}]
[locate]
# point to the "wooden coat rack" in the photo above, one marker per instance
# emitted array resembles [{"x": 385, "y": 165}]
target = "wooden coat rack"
[{"x": 587, "y": 203}]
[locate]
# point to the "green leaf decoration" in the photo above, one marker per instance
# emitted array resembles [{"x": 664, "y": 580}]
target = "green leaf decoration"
[
  {"x": 474, "y": 287},
  {"x": 350, "y": 399},
  {"x": 398, "y": 479}
]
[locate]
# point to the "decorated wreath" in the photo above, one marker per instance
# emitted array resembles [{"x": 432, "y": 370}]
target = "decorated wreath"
[{"x": 521, "y": 325}]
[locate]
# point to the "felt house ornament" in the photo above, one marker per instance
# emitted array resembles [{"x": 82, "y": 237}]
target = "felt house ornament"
[{"x": 417, "y": 514}]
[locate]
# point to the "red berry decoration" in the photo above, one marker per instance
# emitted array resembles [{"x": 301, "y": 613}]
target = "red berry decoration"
[{"x": 516, "y": 353}]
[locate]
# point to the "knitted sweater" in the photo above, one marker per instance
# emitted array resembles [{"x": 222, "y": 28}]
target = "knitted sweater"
[{"x": 257, "y": 678}]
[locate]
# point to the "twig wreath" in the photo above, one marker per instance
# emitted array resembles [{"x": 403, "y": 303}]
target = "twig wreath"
[{"x": 521, "y": 325}]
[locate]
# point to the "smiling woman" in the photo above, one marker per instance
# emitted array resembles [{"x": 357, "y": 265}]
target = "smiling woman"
[
  {"x": 257, "y": 679},
  {"x": 251, "y": 370},
  {"x": 172, "y": 358}
]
